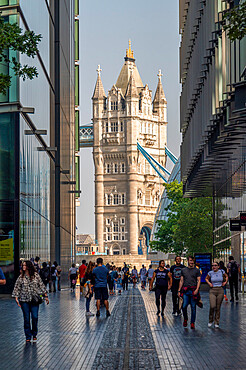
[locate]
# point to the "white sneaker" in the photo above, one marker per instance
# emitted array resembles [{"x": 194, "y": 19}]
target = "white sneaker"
[
  {"x": 89, "y": 314},
  {"x": 210, "y": 324},
  {"x": 216, "y": 326}
]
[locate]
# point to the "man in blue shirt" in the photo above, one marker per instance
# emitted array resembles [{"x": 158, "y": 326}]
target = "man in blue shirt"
[
  {"x": 100, "y": 274},
  {"x": 2, "y": 278}
]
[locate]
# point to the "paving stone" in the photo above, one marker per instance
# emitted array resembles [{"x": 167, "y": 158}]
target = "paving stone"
[{"x": 132, "y": 338}]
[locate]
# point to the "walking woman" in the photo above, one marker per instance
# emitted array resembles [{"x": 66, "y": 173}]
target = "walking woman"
[
  {"x": 216, "y": 279},
  {"x": 27, "y": 291},
  {"x": 72, "y": 275},
  {"x": 89, "y": 280},
  {"x": 163, "y": 284}
]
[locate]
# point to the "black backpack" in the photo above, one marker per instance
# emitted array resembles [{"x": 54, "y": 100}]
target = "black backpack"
[
  {"x": 234, "y": 269},
  {"x": 45, "y": 274}
]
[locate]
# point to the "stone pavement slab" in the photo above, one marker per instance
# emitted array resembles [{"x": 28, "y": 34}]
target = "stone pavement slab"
[
  {"x": 132, "y": 338},
  {"x": 202, "y": 348}
]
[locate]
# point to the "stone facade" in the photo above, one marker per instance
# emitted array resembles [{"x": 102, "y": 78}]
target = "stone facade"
[{"x": 127, "y": 189}]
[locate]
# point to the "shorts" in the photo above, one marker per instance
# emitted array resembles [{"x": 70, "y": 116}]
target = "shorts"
[{"x": 101, "y": 293}]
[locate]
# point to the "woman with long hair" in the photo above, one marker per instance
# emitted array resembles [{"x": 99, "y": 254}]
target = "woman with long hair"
[
  {"x": 163, "y": 284},
  {"x": 89, "y": 280},
  {"x": 27, "y": 291}
]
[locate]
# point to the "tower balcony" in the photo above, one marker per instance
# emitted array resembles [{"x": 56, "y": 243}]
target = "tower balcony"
[
  {"x": 112, "y": 138},
  {"x": 148, "y": 139}
]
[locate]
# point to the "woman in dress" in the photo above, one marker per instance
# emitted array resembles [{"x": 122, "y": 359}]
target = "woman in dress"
[
  {"x": 216, "y": 279},
  {"x": 27, "y": 291}
]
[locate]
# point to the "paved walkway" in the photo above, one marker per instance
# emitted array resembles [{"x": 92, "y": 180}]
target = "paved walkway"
[{"x": 132, "y": 338}]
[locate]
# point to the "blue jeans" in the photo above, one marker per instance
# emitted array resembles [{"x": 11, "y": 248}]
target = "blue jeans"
[
  {"x": 27, "y": 309},
  {"x": 188, "y": 299},
  {"x": 87, "y": 303}
]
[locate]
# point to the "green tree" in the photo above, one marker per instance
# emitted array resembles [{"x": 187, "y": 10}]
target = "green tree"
[
  {"x": 188, "y": 227},
  {"x": 235, "y": 22},
  {"x": 12, "y": 38}
]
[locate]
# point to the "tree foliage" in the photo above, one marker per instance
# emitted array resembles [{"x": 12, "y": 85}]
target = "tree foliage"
[
  {"x": 188, "y": 227},
  {"x": 12, "y": 38},
  {"x": 236, "y": 22}
]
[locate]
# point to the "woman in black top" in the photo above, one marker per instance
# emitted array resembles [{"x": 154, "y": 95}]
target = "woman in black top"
[{"x": 163, "y": 284}]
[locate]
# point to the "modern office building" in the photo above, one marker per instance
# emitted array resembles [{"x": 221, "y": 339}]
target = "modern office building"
[
  {"x": 39, "y": 139},
  {"x": 213, "y": 115}
]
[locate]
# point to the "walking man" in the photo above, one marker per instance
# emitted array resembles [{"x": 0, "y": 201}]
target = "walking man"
[
  {"x": 100, "y": 274},
  {"x": 189, "y": 285},
  {"x": 234, "y": 273},
  {"x": 143, "y": 277},
  {"x": 125, "y": 278},
  {"x": 176, "y": 275},
  {"x": 150, "y": 273}
]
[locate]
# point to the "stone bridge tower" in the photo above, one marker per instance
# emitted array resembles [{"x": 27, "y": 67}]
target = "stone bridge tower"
[{"x": 127, "y": 189}]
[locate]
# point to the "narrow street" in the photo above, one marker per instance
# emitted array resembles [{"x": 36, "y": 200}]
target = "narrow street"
[{"x": 132, "y": 338}]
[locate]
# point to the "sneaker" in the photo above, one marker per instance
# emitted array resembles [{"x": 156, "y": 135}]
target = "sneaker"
[
  {"x": 108, "y": 314},
  {"x": 216, "y": 326},
  {"x": 210, "y": 324},
  {"x": 34, "y": 339},
  {"x": 174, "y": 313},
  {"x": 89, "y": 314},
  {"x": 185, "y": 324},
  {"x": 226, "y": 299},
  {"x": 158, "y": 312},
  {"x": 180, "y": 313},
  {"x": 98, "y": 314},
  {"x": 192, "y": 325},
  {"x": 28, "y": 340}
]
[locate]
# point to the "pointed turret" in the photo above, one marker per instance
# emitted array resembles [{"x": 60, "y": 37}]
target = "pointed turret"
[
  {"x": 160, "y": 102},
  {"x": 99, "y": 92},
  {"x": 131, "y": 90},
  {"x": 128, "y": 68},
  {"x": 159, "y": 94}
]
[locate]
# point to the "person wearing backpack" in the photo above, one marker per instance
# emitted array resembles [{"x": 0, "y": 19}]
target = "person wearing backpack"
[
  {"x": 234, "y": 273},
  {"x": 54, "y": 274},
  {"x": 45, "y": 274}
]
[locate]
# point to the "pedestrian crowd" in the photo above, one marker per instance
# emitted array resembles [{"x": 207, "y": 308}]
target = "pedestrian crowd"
[{"x": 35, "y": 280}]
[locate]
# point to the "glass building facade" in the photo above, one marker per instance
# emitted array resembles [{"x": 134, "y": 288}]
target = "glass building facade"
[
  {"x": 37, "y": 169},
  {"x": 213, "y": 116}
]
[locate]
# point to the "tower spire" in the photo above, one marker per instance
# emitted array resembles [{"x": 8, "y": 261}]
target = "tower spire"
[
  {"x": 159, "y": 94},
  {"x": 99, "y": 92}
]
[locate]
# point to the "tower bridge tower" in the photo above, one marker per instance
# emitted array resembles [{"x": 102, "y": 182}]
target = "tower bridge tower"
[{"x": 127, "y": 190}]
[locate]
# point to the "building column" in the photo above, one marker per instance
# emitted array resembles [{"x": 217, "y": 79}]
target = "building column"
[
  {"x": 133, "y": 214},
  {"x": 99, "y": 211}
]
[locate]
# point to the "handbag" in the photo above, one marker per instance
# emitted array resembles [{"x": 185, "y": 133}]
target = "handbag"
[{"x": 37, "y": 299}]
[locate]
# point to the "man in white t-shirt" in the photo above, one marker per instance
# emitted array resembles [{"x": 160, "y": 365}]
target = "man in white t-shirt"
[{"x": 150, "y": 273}]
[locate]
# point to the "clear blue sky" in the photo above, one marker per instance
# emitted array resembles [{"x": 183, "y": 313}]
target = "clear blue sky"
[{"x": 105, "y": 27}]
